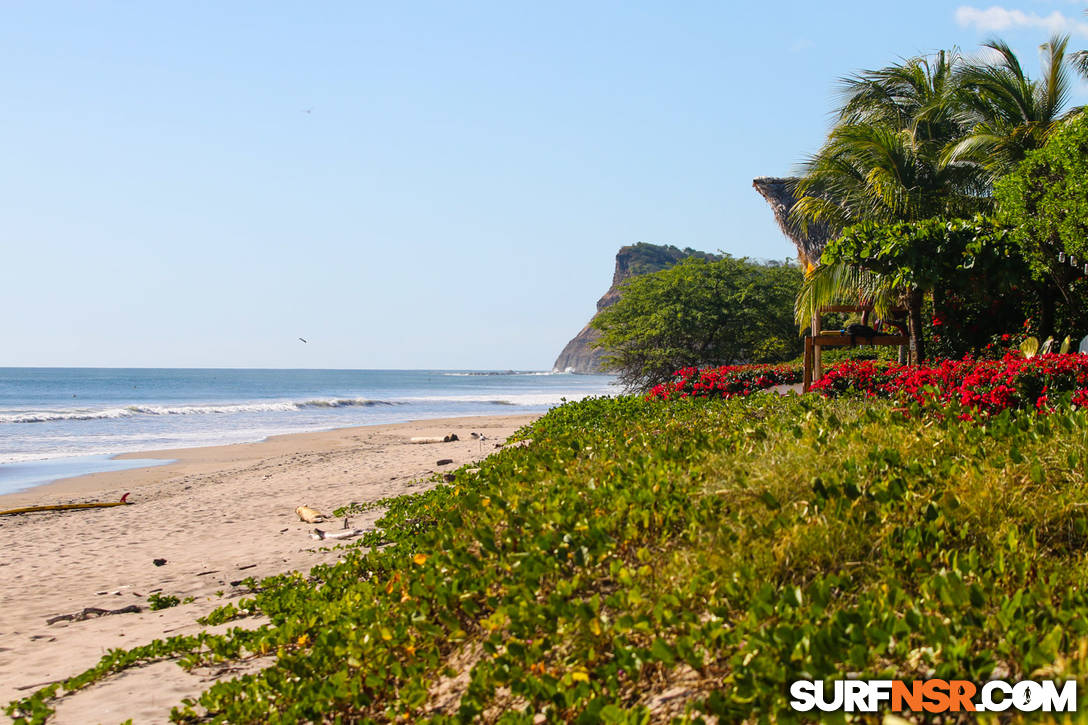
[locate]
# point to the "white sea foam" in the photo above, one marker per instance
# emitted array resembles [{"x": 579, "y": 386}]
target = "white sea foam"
[
  {"x": 525, "y": 399},
  {"x": 508, "y": 372},
  {"x": 44, "y": 416},
  {"x": 535, "y": 399},
  {"x": 79, "y": 446}
]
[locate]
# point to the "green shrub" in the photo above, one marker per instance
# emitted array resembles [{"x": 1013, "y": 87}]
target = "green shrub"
[{"x": 162, "y": 601}]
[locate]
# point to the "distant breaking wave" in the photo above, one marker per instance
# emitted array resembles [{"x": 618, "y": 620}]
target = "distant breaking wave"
[
  {"x": 504, "y": 372},
  {"x": 536, "y": 399},
  {"x": 130, "y": 411}
]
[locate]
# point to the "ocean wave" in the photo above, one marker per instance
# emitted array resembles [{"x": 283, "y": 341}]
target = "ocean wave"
[
  {"x": 536, "y": 399},
  {"x": 45, "y": 416},
  {"x": 505, "y": 372}
]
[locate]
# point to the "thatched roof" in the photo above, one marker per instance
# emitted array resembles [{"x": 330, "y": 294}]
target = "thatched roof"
[{"x": 779, "y": 194}]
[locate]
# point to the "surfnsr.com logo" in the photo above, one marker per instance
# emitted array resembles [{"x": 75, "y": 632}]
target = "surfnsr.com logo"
[{"x": 933, "y": 696}]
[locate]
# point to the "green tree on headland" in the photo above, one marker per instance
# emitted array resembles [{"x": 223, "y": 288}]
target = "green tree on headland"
[{"x": 700, "y": 313}]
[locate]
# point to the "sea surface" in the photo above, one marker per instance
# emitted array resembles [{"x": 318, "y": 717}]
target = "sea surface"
[{"x": 59, "y": 422}]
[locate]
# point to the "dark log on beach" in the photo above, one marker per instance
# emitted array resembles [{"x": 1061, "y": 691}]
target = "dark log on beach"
[
  {"x": 67, "y": 507},
  {"x": 89, "y": 612}
]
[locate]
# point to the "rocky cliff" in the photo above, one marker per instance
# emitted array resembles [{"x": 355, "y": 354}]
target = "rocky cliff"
[{"x": 579, "y": 356}]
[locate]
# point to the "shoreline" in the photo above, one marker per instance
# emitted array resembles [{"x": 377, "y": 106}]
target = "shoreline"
[
  {"x": 84, "y": 483},
  {"x": 217, "y": 515}
]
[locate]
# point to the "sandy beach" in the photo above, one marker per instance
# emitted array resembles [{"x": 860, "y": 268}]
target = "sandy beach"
[{"x": 217, "y": 515}]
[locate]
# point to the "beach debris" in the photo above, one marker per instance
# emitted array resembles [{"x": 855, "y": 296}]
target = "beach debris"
[
  {"x": 204, "y": 573},
  {"x": 309, "y": 515},
  {"x": 247, "y": 566},
  {"x": 88, "y": 612},
  {"x": 434, "y": 439},
  {"x": 443, "y": 461},
  {"x": 67, "y": 506},
  {"x": 319, "y": 535},
  {"x": 158, "y": 562},
  {"x": 449, "y": 477}
]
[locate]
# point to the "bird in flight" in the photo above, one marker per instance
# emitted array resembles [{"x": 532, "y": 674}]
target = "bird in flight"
[
  {"x": 308, "y": 110},
  {"x": 303, "y": 339}
]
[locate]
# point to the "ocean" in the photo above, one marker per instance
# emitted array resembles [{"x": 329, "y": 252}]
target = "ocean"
[{"x": 60, "y": 422}]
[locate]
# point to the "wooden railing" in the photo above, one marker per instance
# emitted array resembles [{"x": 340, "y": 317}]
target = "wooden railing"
[{"x": 818, "y": 338}]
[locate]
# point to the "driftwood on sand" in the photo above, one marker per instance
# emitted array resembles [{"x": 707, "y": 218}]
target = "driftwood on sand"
[
  {"x": 88, "y": 612},
  {"x": 67, "y": 507},
  {"x": 435, "y": 439},
  {"x": 319, "y": 535}
]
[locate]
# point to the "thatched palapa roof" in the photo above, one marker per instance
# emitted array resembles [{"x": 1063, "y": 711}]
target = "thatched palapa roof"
[{"x": 779, "y": 193}]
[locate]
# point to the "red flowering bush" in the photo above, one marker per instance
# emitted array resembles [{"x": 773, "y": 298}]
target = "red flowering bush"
[
  {"x": 726, "y": 381},
  {"x": 980, "y": 386}
]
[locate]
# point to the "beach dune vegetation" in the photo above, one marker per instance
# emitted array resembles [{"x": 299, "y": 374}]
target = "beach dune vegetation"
[{"x": 641, "y": 560}]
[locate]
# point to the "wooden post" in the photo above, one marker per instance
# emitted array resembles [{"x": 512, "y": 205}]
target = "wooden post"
[
  {"x": 806, "y": 380},
  {"x": 817, "y": 353}
]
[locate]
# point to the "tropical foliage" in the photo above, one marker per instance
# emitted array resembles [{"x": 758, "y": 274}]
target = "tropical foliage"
[
  {"x": 954, "y": 262},
  {"x": 1005, "y": 113},
  {"x": 882, "y": 162},
  {"x": 1046, "y": 198},
  {"x": 923, "y": 142}
]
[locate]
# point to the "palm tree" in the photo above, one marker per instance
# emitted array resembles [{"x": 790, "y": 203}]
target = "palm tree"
[
  {"x": 1010, "y": 114},
  {"x": 917, "y": 93},
  {"x": 883, "y": 163},
  {"x": 1007, "y": 113},
  {"x": 873, "y": 172}
]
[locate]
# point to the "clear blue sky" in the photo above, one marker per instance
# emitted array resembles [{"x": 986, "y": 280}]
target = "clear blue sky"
[{"x": 458, "y": 191}]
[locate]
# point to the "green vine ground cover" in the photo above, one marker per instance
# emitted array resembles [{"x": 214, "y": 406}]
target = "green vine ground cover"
[{"x": 710, "y": 550}]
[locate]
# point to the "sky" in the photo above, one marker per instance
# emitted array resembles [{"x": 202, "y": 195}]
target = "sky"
[{"x": 405, "y": 184}]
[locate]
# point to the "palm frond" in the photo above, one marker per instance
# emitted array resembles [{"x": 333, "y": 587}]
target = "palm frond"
[{"x": 831, "y": 284}]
